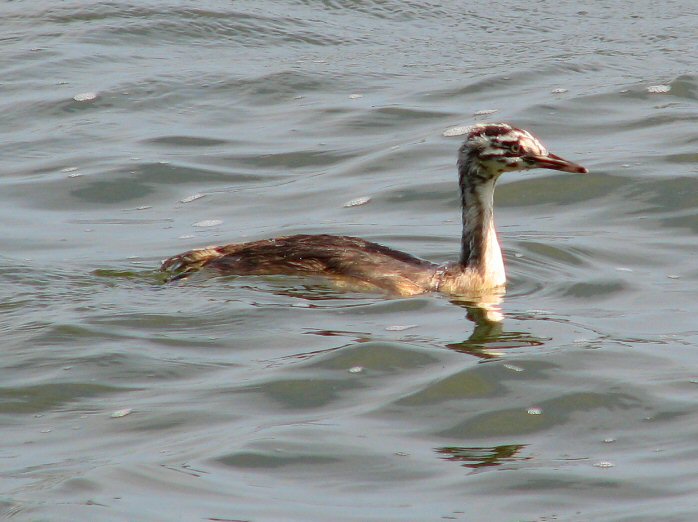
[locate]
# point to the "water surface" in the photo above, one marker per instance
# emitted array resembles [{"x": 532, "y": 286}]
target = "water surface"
[{"x": 267, "y": 399}]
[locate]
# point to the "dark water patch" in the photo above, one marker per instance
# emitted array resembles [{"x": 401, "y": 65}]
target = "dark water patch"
[
  {"x": 558, "y": 189},
  {"x": 406, "y": 114},
  {"x": 152, "y": 276},
  {"x": 553, "y": 412},
  {"x": 685, "y": 86},
  {"x": 444, "y": 194},
  {"x": 128, "y": 185},
  {"x": 147, "y": 422},
  {"x": 683, "y": 222},
  {"x": 682, "y": 158},
  {"x": 168, "y": 174},
  {"x": 375, "y": 358},
  {"x": 666, "y": 203},
  {"x": 70, "y": 334},
  {"x": 304, "y": 394},
  {"x": 279, "y": 87},
  {"x": 112, "y": 192},
  {"x": 595, "y": 289},
  {"x": 292, "y": 159},
  {"x": 49, "y": 397},
  {"x": 559, "y": 255},
  {"x": 646, "y": 122},
  {"x": 662, "y": 196},
  {"x": 252, "y": 460},
  {"x": 466, "y": 385},
  {"x": 187, "y": 141},
  {"x": 382, "y": 118},
  {"x": 478, "y": 382}
]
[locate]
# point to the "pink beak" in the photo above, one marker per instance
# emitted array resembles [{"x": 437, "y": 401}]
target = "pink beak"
[{"x": 553, "y": 162}]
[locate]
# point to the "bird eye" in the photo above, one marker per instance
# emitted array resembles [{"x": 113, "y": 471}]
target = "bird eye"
[{"x": 516, "y": 148}]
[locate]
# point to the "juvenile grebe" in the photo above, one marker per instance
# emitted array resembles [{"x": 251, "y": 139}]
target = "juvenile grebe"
[{"x": 488, "y": 151}]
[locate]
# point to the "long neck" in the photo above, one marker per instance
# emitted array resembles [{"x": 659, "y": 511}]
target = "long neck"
[{"x": 479, "y": 246}]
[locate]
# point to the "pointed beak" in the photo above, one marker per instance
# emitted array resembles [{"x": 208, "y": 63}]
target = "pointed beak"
[{"x": 553, "y": 162}]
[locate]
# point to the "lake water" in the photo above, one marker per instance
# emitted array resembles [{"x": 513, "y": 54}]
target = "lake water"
[{"x": 131, "y": 132}]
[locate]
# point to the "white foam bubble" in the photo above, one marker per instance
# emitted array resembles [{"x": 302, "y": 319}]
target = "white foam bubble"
[
  {"x": 208, "y": 223},
  {"x": 604, "y": 464},
  {"x": 456, "y": 131},
  {"x": 400, "y": 327},
  {"x": 191, "y": 198},
  {"x": 121, "y": 413},
  {"x": 85, "y": 96},
  {"x": 658, "y": 89},
  {"x": 357, "y": 202}
]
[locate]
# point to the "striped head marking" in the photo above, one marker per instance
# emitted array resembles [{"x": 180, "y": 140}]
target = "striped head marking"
[{"x": 494, "y": 148}]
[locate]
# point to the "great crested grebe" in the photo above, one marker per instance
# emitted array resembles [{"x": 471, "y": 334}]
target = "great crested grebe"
[{"x": 489, "y": 150}]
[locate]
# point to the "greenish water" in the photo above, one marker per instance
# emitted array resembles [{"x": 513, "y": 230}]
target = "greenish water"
[{"x": 269, "y": 399}]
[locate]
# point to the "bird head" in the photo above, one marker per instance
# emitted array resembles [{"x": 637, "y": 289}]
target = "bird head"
[{"x": 494, "y": 148}]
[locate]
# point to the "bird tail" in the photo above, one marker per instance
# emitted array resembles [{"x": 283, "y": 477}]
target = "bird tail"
[{"x": 182, "y": 265}]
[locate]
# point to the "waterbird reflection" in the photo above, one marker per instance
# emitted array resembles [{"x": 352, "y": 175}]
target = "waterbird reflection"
[
  {"x": 489, "y": 336},
  {"x": 482, "y": 457}
]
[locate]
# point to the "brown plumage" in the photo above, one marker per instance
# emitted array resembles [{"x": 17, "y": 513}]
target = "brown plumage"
[
  {"x": 488, "y": 151},
  {"x": 365, "y": 264}
]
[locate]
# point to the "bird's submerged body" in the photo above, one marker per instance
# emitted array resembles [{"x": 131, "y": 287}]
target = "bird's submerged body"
[
  {"x": 348, "y": 261},
  {"x": 352, "y": 260},
  {"x": 489, "y": 150}
]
